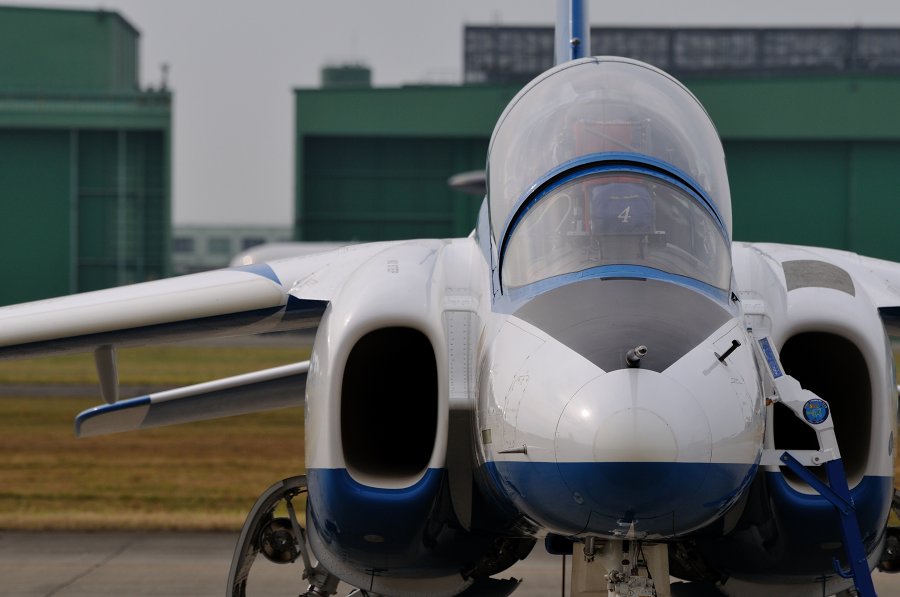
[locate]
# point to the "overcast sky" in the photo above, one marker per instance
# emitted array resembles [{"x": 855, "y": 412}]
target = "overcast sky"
[{"x": 233, "y": 66}]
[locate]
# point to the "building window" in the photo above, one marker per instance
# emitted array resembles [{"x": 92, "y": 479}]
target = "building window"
[
  {"x": 219, "y": 245},
  {"x": 183, "y": 244},
  {"x": 251, "y": 241}
]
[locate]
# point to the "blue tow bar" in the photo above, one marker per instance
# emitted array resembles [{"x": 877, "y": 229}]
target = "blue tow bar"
[{"x": 838, "y": 493}]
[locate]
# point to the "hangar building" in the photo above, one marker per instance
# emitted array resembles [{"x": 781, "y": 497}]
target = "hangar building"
[
  {"x": 84, "y": 155},
  {"x": 809, "y": 119}
]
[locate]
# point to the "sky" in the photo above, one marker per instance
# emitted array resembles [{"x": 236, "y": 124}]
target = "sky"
[{"x": 233, "y": 66}]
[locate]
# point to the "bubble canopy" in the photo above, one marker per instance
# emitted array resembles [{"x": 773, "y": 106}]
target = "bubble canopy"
[
  {"x": 592, "y": 108},
  {"x": 609, "y": 216}
]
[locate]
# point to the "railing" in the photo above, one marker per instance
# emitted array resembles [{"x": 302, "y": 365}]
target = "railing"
[{"x": 513, "y": 54}]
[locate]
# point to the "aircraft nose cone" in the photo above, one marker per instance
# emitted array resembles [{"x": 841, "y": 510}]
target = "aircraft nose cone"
[
  {"x": 633, "y": 415},
  {"x": 633, "y": 446},
  {"x": 634, "y": 434}
]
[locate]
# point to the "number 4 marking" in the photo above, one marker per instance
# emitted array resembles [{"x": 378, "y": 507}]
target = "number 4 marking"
[{"x": 625, "y": 215}]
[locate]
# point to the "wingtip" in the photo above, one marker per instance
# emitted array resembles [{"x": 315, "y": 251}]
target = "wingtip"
[{"x": 105, "y": 419}]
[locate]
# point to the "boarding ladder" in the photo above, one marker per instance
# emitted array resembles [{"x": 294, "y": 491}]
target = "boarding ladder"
[{"x": 815, "y": 413}]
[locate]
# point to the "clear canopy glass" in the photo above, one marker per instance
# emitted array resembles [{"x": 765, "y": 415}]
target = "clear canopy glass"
[
  {"x": 599, "y": 105},
  {"x": 613, "y": 218}
]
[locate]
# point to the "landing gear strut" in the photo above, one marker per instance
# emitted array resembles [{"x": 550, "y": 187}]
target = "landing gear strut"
[
  {"x": 280, "y": 540},
  {"x": 890, "y": 557},
  {"x": 625, "y": 568}
]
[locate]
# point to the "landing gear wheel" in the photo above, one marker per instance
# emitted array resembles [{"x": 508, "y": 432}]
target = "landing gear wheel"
[
  {"x": 281, "y": 540},
  {"x": 277, "y": 541}
]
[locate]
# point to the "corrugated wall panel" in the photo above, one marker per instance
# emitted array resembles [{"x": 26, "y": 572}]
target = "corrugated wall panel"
[
  {"x": 386, "y": 188},
  {"x": 35, "y": 200},
  {"x": 837, "y": 194},
  {"x": 790, "y": 192},
  {"x": 66, "y": 50},
  {"x": 122, "y": 226},
  {"x": 874, "y": 199},
  {"x": 146, "y": 175},
  {"x": 97, "y": 210}
]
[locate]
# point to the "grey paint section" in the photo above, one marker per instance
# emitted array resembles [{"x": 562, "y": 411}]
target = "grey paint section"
[
  {"x": 811, "y": 273},
  {"x": 603, "y": 319}
]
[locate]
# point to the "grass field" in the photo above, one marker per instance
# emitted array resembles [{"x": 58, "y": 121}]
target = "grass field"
[{"x": 200, "y": 476}]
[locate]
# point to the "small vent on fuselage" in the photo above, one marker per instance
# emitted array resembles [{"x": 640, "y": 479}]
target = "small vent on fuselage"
[
  {"x": 835, "y": 369},
  {"x": 389, "y": 404}
]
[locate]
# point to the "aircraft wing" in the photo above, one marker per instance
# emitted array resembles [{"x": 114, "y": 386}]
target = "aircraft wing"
[
  {"x": 282, "y": 295},
  {"x": 266, "y": 297},
  {"x": 218, "y": 303},
  {"x": 879, "y": 278}
]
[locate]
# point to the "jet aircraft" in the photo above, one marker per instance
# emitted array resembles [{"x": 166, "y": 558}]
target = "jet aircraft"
[{"x": 598, "y": 368}]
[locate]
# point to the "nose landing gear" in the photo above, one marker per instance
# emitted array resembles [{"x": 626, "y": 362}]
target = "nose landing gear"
[
  {"x": 626, "y": 568},
  {"x": 280, "y": 540}
]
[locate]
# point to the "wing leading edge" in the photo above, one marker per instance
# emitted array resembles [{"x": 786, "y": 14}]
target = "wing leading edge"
[
  {"x": 879, "y": 278},
  {"x": 270, "y": 389},
  {"x": 231, "y": 302}
]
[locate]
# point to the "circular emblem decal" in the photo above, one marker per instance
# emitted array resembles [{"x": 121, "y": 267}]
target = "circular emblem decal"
[{"x": 815, "y": 411}]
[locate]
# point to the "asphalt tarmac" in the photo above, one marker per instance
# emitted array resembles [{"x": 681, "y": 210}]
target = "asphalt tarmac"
[{"x": 195, "y": 565}]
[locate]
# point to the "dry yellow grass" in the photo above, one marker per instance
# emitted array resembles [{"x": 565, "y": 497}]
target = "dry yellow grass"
[
  {"x": 200, "y": 476},
  {"x": 174, "y": 365}
]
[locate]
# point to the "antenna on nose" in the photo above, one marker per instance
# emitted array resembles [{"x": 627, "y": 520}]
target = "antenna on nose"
[
  {"x": 633, "y": 357},
  {"x": 573, "y": 31}
]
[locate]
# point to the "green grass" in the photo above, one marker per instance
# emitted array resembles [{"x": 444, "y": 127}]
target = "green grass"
[{"x": 199, "y": 476}]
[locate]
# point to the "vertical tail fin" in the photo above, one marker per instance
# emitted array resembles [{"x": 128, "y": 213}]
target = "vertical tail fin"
[{"x": 573, "y": 30}]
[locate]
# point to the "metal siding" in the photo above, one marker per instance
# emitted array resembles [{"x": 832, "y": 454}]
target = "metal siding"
[
  {"x": 874, "y": 201},
  {"x": 66, "y": 50},
  {"x": 406, "y": 111},
  {"x": 34, "y": 229},
  {"x": 122, "y": 220},
  {"x": 148, "y": 179},
  {"x": 97, "y": 210},
  {"x": 790, "y": 192},
  {"x": 386, "y": 188},
  {"x": 89, "y": 152},
  {"x": 144, "y": 111},
  {"x": 821, "y": 108}
]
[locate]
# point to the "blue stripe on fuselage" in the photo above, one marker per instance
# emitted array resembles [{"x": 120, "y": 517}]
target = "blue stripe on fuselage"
[
  {"x": 787, "y": 534},
  {"x": 661, "y": 499},
  {"x": 809, "y": 523},
  {"x": 390, "y": 514},
  {"x": 407, "y": 532},
  {"x": 514, "y": 299}
]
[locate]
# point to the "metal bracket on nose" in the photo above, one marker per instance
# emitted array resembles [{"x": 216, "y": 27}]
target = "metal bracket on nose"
[
  {"x": 523, "y": 449},
  {"x": 734, "y": 346},
  {"x": 634, "y": 356}
]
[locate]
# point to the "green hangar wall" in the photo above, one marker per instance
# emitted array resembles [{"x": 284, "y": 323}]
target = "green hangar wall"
[
  {"x": 812, "y": 160},
  {"x": 84, "y": 156},
  {"x": 372, "y": 164}
]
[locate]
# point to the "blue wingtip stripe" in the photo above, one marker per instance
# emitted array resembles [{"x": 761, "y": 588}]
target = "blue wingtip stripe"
[
  {"x": 104, "y": 409},
  {"x": 260, "y": 269}
]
